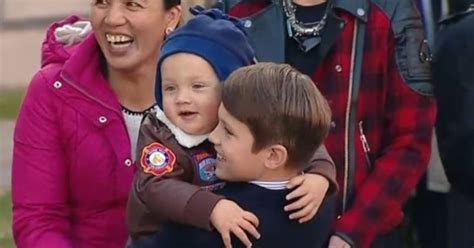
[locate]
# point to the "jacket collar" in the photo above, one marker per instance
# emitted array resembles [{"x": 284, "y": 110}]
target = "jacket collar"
[
  {"x": 184, "y": 139},
  {"x": 82, "y": 71},
  {"x": 358, "y": 8}
]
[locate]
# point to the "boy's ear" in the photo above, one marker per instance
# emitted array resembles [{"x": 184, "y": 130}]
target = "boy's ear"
[{"x": 276, "y": 156}]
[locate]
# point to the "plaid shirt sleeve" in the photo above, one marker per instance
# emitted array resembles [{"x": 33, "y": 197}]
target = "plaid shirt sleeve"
[{"x": 407, "y": 135}]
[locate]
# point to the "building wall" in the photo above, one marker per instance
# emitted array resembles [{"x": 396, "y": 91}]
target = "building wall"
[{"x": 189, "y": 3}]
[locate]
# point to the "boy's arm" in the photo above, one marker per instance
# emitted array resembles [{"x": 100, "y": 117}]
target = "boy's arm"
[
  {"x": 321, "y": 163},
  {"x": 167, "y": 193},
  {"x": 178, "y": 201}
]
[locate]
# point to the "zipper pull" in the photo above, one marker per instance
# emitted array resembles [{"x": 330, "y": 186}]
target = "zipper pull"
[{"x": 365, "y": 145}]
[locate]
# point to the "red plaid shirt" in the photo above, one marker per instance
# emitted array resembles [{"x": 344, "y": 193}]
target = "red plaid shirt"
[{"x": 395, "y": 120}]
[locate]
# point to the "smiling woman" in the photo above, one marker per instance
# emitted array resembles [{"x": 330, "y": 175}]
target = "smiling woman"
[
  {"x": 123, "y": 31},
  {"x": 77, "y": 127}
]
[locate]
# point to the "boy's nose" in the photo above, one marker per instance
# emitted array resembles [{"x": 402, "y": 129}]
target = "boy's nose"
[
  {"x": 213, "y": 136},
  {"x": 182, "y": 97}
]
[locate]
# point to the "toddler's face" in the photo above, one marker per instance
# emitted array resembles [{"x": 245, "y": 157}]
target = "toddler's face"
[{"x": 191, "y": 93}]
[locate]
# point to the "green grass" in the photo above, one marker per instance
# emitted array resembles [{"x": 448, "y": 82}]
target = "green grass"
[
  {"x": 6, "y": 239},
  {"x": 10, "y": 101}
]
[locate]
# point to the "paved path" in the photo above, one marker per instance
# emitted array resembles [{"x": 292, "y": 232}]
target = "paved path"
[
  {"x": 22, "y": 30},
  {"x": 16, "y": 10},
  {"x": 19, "y": 56},
  {"x": 26, "y": 22},
  {"x": 6, "y": 145}
]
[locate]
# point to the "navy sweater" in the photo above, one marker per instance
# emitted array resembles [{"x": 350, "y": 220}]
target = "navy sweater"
[{"x": 276, "y": 229}]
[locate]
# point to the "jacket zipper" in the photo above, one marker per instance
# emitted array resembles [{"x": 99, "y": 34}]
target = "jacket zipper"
[
  {"x": 348, "y": 110},
  {"x": 365, "y": 145}
]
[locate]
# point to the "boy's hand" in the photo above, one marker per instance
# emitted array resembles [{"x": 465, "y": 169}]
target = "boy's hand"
[
  {"x": 311, "y": 190},
  {"x": 228, "y": 217}
]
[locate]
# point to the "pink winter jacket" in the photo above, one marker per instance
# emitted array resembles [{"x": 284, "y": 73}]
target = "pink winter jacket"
[{"x": 72, "y": 167}]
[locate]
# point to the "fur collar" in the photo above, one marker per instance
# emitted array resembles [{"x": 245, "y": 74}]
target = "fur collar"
[{"x": 184, "y": 139}]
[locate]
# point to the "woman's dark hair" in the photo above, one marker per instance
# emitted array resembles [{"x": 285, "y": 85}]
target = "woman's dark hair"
[{"x": 171, "y": 3}]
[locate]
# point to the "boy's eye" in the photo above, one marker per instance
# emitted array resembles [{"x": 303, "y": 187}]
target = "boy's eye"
[
  {"x": 169, "y": 88},
  {"x": 227, "y": 132},
  {"x": 198, "y": 86}
]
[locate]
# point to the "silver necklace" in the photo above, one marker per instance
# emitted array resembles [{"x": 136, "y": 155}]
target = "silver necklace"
[{"x": 306, "y": 34}]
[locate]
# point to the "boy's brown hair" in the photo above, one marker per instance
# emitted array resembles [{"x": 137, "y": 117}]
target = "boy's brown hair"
[{"x": 280, "y": 106}]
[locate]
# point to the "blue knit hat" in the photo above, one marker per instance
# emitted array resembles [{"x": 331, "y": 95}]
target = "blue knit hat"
[{"x": 216, "y": 37}]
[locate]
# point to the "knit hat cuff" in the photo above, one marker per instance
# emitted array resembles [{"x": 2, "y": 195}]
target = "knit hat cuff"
[{"x": 219, "y": 57}]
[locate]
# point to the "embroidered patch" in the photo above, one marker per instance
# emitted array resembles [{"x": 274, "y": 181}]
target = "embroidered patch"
[
  {"x": 213, "y": 187},
  {"x": 206, "y": 166},
  {"x": 157, "y": 159},
  {"x": 207, "y": 169}
]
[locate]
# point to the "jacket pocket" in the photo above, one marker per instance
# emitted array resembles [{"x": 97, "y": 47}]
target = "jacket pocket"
[{"x": 413, "y": 59}]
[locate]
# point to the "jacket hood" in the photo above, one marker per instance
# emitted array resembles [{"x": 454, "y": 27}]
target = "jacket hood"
[{"x": 61, "y": 39}]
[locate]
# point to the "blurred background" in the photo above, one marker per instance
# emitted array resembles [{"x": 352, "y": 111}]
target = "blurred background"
[{"x": 22, "y": 29}]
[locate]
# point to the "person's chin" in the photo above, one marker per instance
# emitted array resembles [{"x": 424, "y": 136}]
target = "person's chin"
[
  {"x": 188, "y": 129},
  {"x": 121, "y": 63}
]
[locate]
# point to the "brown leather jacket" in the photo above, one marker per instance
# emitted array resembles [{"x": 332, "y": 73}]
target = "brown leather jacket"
[{"x": 173, "y": 183}]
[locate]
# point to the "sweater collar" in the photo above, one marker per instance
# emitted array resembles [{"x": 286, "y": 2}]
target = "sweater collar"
[{"x": 276, "y": 185}]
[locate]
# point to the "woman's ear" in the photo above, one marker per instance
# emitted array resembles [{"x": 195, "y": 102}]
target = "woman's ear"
[
  {"x": 276, "y": 156},
  {"x": 174, "y": 16}
]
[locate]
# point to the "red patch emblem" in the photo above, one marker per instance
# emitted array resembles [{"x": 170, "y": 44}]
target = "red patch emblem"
[{"x": 157, "y": 159}]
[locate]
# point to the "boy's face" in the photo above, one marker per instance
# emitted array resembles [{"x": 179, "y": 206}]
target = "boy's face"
[
  {"x": 191, "y": 93},
  {"x": 233, "y": 143}
]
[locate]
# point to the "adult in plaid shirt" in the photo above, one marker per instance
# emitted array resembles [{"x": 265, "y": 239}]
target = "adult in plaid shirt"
[{"x": 369, "y": 60}]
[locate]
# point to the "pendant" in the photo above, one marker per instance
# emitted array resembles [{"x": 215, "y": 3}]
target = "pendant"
[{"x": 307, "y": 43}]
